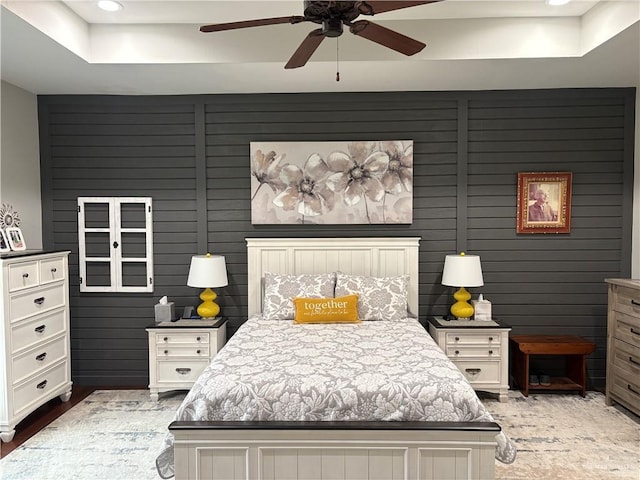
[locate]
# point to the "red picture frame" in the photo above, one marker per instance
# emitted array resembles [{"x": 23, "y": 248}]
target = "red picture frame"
[{"x": 544, "y": 202}]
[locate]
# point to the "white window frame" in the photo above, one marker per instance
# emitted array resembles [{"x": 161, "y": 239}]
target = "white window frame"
[{"x": 115, "y": 230}]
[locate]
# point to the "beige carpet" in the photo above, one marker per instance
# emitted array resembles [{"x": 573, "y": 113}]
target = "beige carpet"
[{"x": 567, "y": 437}]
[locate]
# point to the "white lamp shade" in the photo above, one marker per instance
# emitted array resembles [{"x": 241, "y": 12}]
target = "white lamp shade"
[
  {"x": 207, "y": 271},
  {"x": 462, "y": 271}
]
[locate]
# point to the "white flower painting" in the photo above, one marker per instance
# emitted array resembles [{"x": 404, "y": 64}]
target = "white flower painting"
[{"x": 365, "y": 182}]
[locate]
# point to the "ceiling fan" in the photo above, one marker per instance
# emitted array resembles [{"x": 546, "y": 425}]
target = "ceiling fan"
[{"x": 333, "y": 16}]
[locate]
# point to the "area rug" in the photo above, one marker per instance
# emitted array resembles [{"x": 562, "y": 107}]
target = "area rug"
[
  {"x": 112, "y": 434},
  {"x": 567, "y": 437},
  {"x": 116, "y": 434}
]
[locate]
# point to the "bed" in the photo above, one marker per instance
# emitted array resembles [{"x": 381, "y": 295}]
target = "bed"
[{"x": 373, "y": 399}]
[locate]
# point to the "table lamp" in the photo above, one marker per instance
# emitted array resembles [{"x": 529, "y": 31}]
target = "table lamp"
[
  {"x": 208, "y": 271},
  {"x": 462, "y": 271}
]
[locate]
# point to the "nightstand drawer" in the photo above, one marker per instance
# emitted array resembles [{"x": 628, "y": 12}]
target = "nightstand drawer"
[
  {"x": 180, "y": 371},
  {"x": 465, "y": 351},
  {"x": 182, "y": 338},
  {"x": 480, "y": 372},
  {"x": 174, "y": 350},
  {"x": 480, "y": 338}
]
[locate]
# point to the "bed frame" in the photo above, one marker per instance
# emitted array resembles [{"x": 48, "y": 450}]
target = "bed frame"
[{"x": 333, "y": 450}]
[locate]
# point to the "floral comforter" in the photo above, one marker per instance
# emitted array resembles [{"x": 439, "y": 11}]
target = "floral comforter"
[{"x": 278, "y": 370}]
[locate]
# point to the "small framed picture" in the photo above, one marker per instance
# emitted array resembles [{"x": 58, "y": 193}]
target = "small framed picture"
[
  {"x": 544, "y": 202},
  {"x": 4, "y": 243},
  {"x": 16, "y": 240}
]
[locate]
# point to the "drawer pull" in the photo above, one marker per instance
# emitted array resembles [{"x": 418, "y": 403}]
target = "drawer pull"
[
  {"x": 629, "y": 387},
  {"x": 491, "y": 339},
  {"x": 490, "y": 352},
  {"x": 25, "y": 275},
  {"x": 634, "y": 302},
  {"x": 41, "y": 357},
  {"x": 473, "y": 371},
  {"x": 166, "y": 352},
  {"x": 457, "y": 352},
  {"x": 198, "y": 352},
  {"x": 634, "y": 332},
  {"x": 183, "y": 371},
  {"x": 165, "y": 339},
  {"x": 39, "y": 301},
  {"x": 457, "y": 339},
  {"x": 54, "y": 270},
  {"x": 41, "y": 385},
  {"x": 633, "y": 360},
  {"x": 40, "y": 329}
]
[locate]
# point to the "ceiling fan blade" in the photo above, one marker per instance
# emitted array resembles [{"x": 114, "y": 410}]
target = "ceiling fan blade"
[
  {"x": 385, "y": 37},
  {"x": 250, "y": 23},
  {"x": 380, "y": 7},
  {"x": 306, "y": 49}
]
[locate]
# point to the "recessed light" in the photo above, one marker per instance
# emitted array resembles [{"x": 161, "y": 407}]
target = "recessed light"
[
  {"x": 109, "y": 5},
  {"x": 557, "y": 3}
]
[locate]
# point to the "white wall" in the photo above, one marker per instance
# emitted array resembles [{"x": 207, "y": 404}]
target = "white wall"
[{"x": 20, "y": 160}]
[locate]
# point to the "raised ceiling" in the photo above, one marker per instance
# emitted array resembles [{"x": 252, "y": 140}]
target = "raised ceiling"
[{"x": 155, "y": 47}]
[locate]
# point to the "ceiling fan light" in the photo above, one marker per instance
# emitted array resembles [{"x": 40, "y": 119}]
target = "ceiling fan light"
[
  {"x": 109, "y": 5},
  {"x": 557, "y": 3}
]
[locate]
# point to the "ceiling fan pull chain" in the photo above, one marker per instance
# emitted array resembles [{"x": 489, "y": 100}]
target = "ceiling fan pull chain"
[{"x": 337, "y": 61}]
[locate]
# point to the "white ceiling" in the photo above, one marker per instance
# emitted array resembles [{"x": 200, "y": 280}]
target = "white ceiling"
[{"x": 154, "y": 47}]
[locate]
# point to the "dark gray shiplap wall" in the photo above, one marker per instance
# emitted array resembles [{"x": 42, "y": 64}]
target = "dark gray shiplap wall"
[{"x": 191, "y": 154}]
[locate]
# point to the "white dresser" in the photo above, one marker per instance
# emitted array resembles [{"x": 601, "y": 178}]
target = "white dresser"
[
  {"x": 178, "y": 354},
  {"x": 35, "y": 363},
  {"x": 623, "y": 344},
  {"x": 479, "y": 349}
]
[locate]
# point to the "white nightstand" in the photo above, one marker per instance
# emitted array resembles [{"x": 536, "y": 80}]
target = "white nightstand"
[
  {"x": 479, "y": 349},
  {"x": 178, "y": 354}
]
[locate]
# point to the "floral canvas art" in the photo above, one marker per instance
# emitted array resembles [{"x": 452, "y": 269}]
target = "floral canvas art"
[{"x": 367, "y": 182}]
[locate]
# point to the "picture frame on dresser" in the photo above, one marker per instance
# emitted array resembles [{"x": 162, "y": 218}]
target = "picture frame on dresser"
[
  {"x": 16, "y": 239},
  {"x": 4, "y": 242}
]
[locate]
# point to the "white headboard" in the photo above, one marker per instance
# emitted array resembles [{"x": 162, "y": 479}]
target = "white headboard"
[{"x": 376, "y": 257}]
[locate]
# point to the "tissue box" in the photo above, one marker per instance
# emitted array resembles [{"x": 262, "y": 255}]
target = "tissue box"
[
  {"x": 482, "y": 309},
  {"x": 164, "y": 312}
]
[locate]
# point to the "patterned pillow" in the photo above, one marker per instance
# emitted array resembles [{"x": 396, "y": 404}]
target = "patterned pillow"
[
  {"x": 280, "y": 290},
  {"x": 381, "y": 298},
  {"x": 327, "y": 310}
]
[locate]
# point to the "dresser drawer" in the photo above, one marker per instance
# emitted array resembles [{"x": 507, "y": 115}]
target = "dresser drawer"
[
  {"x": 177, "y": 350},
  {"x": 22, "y": 305},
  {"x": 182, "y": 338},
  {"x": 628, "y": 301},
  {"x": 466, "y": 351},
  {"x": 626, "y": 360},
  {"x": 32, "y": 392},
  {"x": 42, "y": 328},
  {"x": 480, "y": 372},
  {"x": 39, "y": 358},
  {"x": 52, "y": 270},
  {"x": 627, "y": 328},
  {"x": 480, "y": 338},
  {"x": 23, "y": 275},
  {"x": 626, "y": 389},
  {"x": 180, "y": 371}
]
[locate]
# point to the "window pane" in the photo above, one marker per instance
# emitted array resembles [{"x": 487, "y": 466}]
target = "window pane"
[
  {"x": 132, "y": 215},
  {"x": 134, "y": 274},
  {"x": 96, "y": 215},
  {"x": 98, "y": 274},
  {"x": 97, "y": 244},
  {"x": 134, "y": 245}
]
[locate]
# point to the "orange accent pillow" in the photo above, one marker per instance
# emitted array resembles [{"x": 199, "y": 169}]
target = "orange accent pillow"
[{"x": 326, "y": 310}]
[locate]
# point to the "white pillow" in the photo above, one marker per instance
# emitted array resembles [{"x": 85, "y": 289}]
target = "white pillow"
[
  {"x": 280, "y": 290},
  {"x": 380, "y": 298}
]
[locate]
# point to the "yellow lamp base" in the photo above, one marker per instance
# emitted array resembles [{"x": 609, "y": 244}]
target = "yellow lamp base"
[
  {"x": 462, "y": 309},
  {"x": 208, "y": 308}
]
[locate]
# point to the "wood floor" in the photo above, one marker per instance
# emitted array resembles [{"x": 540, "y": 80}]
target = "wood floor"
[{"x": 47, "y": 413}]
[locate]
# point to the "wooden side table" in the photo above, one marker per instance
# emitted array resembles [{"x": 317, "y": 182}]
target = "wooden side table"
[{"x": 574, "y": 349}]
